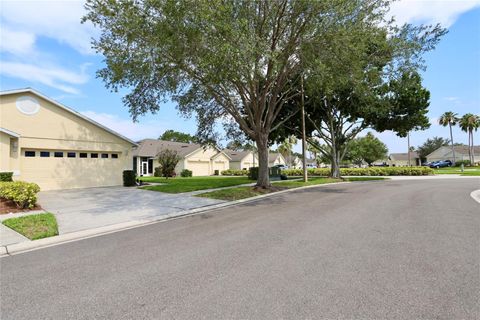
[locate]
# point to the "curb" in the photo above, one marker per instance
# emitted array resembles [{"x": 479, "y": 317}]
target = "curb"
[
  {"x": 475, "y": 195},
  {"x": 22, "y": 247}
]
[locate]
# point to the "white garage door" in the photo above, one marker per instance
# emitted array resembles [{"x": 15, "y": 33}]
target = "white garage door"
[{"x": 199, "y": 168}]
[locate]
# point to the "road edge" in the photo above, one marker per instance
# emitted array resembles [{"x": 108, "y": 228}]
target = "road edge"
[{"x": 475, "y": 195}]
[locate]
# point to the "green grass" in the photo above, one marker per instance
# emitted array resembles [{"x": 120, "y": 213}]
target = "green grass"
[
  {"x": 468, "y": 171},
  {"x": 299, "y": 183},
  {"x": 178, "y": 185},
  {"x": 232, "y": 194},
  {"x": 36, "y": 226},
  {"x": 365, "y": 178}
]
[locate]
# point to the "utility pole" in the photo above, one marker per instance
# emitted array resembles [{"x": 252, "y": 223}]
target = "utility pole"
[
  {"x": 304, "y": 137},
  {"x": 408, "y": 141}
]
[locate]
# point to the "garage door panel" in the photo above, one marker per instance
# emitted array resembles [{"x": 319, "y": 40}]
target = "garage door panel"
[{"x": 199, "y": 168}]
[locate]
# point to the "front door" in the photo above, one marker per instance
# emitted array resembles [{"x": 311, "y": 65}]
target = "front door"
[{"x": 144, "y": 168}]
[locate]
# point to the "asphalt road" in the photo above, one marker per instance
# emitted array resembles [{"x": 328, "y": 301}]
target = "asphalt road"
[{"x": 375, "y": 250}]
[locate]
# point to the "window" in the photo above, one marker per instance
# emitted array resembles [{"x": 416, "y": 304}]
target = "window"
[
  {"x": 44, "y": 154},
  {"x": 58, "y": 154},
  {"x": 71, "y": 154},
  {"x": 93, "y": 155},
  {"x": 29, "y": 153},
  {"x": 82, "y": 155},
  {"x": 104, "y": 155},
  {"x": 114, "y": 156}
]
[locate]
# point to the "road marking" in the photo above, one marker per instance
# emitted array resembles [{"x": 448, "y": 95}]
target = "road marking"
[{"x": 475, "y": 195}]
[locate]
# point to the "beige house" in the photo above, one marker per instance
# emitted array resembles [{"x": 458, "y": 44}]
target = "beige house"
[
  {"x": 401, "y": 159},
  {"x": 275, "y": 159},
  {"x": 45, "y": 142},
  {"x": 201, "y": 161},
  {"x": 461, "y": 153},
  {"x": 242, "y": 160},
  {"x": 294, "y": 162}
]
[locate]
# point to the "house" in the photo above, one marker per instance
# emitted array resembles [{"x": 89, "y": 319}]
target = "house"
[
  {"x": 401, "y": 159},
  {"x": 294, "y": 162},
  {"x": 275, "y": 159},
  {"x": 202, "y": 161},
  {"x": 45, "y": 142},
  {"x": 242, "y": 159},
  {"x": 461, "y": 153}
]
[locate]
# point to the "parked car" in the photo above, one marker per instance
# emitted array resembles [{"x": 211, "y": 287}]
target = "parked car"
[
  {"x": 441, "y": 164},
  {"x": 282, "y": 166}
]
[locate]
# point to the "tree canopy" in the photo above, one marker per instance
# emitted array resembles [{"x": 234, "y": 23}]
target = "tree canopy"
[
  {"x": 366, "y": 149},
  {"x": 431, "y": 145},
  {"x": 176, "y": 136}
]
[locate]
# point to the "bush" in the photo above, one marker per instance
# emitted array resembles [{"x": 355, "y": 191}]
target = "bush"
[
  {"x": 371, "y": 171},
  {"x": 253, "y": 173},
  {"x": 186, "y": 173},
  {"x": 23, "y": 194},
  {"x": 466, "y": 163},
  {"x": 233, "y": 172},
  {"x": 157, "y": 172},
  {"x": 128, "y": 178},
  {"x": 6, "y": 176}
]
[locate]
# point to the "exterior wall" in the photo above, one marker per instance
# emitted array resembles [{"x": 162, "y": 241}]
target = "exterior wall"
[
  {"x": 445, "y": 153},
  {"x": 55, "y": 129},
  {"x": 279, "y": 160},
  {"x": 4, "y": 152},
  {"x": 246, "y": 163},
  {"x": 200, "y": 163},
  {"x": 404, "y": 163},
  {"x": 220, "y": 163}
]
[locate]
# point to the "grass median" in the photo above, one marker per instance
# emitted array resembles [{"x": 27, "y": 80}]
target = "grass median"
[
  {"x": 179, "y": 184},
  {"x": 467, "y": 171},
  {"x": 35, "y": 226}
]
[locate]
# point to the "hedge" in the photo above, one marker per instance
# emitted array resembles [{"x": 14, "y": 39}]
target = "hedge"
[
  {"x": 129, "y": 178},
  {"x": 6, "y": 176},
  {"x": 371, "y": 171},
  {"x": 23, "y": 194},
  {"x": 186, "y": 173},
  {"x": 233, "y": 172}
]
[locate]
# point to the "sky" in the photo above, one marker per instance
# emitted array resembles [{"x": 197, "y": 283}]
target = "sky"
[{"x": 44, "y": 46}]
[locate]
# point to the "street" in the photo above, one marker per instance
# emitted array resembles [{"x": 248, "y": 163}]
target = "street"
[{"x": 365, "y": 250}]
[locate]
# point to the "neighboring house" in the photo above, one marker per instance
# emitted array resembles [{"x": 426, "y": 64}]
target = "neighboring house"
[
  {"x": 45, "y": 142},
  {"x": 241, "y": 160},
  {"x": 401, "y": 159},
  {"x": 461, "y": 153},
  {"x": 201, "y": 161},
  {"x": 275, "y": 159},
  {"x": 294, "y": 162}
]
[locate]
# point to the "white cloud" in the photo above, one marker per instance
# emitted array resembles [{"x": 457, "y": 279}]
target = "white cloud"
[
  {"x": 445, "y": 12},
  {"x": 51, "y": 76},
  {"x": 133, "y": 130},
  {"x": 59, "y": 20},
  {"x": 16, "y": 42}
]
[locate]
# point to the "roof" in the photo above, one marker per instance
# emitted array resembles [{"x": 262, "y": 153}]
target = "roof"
[
  {"x": 237, "y": 155},
  {"x": 151, "y": 147},
  {"x": 273, "y": 156},
  {"x": 403, "y": 156},
  {"x": 463, "y": 149},
  {"x": 58, "y": 104},
  {"x": 10, "y": 133}
]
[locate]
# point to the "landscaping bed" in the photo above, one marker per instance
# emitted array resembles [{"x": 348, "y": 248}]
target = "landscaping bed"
[
  {"x": 35, "y": 226},
  {"x": 8, "y": 206}
]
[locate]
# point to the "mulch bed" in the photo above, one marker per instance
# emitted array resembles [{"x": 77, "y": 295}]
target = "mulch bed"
[{"x": 8, "y": 206}]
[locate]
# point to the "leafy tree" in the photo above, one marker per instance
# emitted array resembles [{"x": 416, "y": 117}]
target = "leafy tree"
[
  {"x": 449, "y": 119},
  {"x": 431, "y": 145},
  {"x": 230, "y": 60},
  {"x": 469, "y": 123},
  {"x": 176, "y": 136},
  {"x": 366, "y": 149},
  {"x": 286, "y": 146},
  {"x": 168, "y": 160}
]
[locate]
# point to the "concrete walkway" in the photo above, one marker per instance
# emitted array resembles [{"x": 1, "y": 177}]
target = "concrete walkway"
[{"x": 8, "y": 236}]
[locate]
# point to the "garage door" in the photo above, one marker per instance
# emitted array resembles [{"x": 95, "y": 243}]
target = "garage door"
[
  {"x": 66, "y": 169},
  {"x": 220, "y": 166},
  {"x": 199, "y": 168}
]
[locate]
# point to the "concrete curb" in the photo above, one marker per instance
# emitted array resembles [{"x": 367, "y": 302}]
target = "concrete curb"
[
  {"x": 22, "y": 247},
  {"x": 475, "y": 195}
]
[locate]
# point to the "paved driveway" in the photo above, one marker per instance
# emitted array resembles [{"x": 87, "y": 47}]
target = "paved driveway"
[{"x": 80, "y": 209}]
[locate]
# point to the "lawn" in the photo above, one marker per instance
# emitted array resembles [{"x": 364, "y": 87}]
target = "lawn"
[
  {"x": 467, "y": 171},
  {"x": 36, "y": 226},
  {"x": 178, "y": 185}
]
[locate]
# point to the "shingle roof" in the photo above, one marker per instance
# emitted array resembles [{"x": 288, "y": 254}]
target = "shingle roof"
[
  {"x": 403, "y": 156},
  {"x": 237, "y": 155},
  {"x": 464, "y": 149},
  {"x": 151, "y": 147},
  {"x": 273, "y": 156}
]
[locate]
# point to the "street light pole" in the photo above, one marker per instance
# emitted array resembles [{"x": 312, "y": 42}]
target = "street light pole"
[{"x": 304, "y": 136}]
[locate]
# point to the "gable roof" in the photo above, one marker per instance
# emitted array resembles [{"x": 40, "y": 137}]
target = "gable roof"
[
  {"x": 237, "y": 155},
  {"x": 403, "y": 156},
  {"x": 273, "y": 156},
  {"x": 458, "y": 150},
  {"x": 151, "y": 147},
  {"x": 61, "y": 106}
]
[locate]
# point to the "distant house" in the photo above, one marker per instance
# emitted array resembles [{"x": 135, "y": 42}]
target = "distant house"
[
  {"x": 275, "y": 159},
  {"x": 401, "y": 159},
  {"x": 201, "y": 161},
  {"x": 461, "y": 153},
  {"x": 242, "y": 159},
  {"x": 294, "y": 162}
]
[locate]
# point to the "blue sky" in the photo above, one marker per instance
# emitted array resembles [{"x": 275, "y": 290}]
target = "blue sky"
[{"x": 44, "y": 46}]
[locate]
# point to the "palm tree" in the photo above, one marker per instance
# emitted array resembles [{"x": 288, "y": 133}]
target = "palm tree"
[
  {"x": 450, "y": 119},
  {"x": 285, "y": 148},
  {"x": 469, "y": 123}
]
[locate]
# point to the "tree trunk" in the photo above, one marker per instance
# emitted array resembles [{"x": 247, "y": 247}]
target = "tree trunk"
[
  {"x": 451, "y": 139},
  {"x": 472, "y": 155},
  {"x": 335, "y": 171},
  {"x": 263, "y": 180}
]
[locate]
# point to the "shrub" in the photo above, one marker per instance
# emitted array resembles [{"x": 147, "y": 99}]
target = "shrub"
[
  {"x": 168, "y": 160},
  {"x": 23, "y": 194},
  {"x": 466, "y": 163},
  {"x": 233, "y": 172},
  {"x": 216, "y": 172},
  {"x": 371, "y": 171},
  {"x": 6, "y": 176},
  {"x": 128, "y": 178},
  {"x": 253, "y": 173},
  {"x": 186, "y": 173},
  {"x": 157, "y": 172}
]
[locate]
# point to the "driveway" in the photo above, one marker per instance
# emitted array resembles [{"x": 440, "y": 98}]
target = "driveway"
[
  {"x": 80, "y": 209},
  {"x": 369, "y": 250}
]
